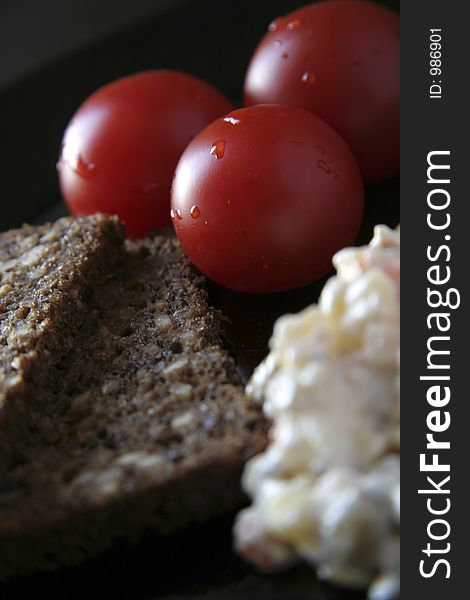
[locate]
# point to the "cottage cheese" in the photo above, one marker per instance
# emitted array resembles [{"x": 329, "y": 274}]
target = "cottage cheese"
[{"x": 327, "y": 489}]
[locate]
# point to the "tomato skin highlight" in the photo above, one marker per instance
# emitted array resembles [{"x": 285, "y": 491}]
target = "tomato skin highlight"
[
  {"x": 340, "y": 60},
  {"x": 277, "y": 192},
  {"x": 121, "y": 148}
]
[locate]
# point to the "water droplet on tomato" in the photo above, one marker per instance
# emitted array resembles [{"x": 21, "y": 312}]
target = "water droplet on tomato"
[
  {"x": 195, "y": 211},
  {"x": 278, "y": 42},
  {"x": 324, "y": 166},
  {"x": 179, "y": 216},
  {"x": 320, "y": 149},
  {"x": 291, "y": 25},
  {"x": 272, "y": 26},
  {"x": 308, "y": 77},
  {"x": 78, "y": 163},
  {"x": 172, "y": 213},
  {"x": 218, "y": 149},
  {"x": 232, "y": 120}
]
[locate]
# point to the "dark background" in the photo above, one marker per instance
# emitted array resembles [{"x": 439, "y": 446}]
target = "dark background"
[{"x": 53, "y": 54}]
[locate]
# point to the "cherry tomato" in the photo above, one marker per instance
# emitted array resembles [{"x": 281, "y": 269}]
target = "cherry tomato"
[
  {"x": 120, "y": 150},
  {"x": 264, "y": 197},
  {"x": 340, "y": 60}
]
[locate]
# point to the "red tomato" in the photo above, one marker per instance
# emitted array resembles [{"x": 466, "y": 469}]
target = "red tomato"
[
  {"x": 341, "y": 61},
  {"x": 264, "y": 197},
  {"x": 120, "y": 150}
]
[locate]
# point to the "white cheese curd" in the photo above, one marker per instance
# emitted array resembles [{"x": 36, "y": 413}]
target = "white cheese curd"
[{"x": 327, "y": 489}]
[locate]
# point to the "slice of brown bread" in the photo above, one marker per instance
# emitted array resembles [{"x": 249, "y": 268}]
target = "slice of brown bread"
[
  {"x": 45, "y": 274},
  {"x": 145, "y": 423}
]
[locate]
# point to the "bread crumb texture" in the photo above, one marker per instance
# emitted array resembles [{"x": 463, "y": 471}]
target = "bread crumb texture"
[{"x": 141, "y": 420}]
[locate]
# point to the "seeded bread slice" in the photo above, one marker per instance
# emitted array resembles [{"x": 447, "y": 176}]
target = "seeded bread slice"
[
  {"x": 144, "y": 424},
  {"x": 45, "y": 274}
]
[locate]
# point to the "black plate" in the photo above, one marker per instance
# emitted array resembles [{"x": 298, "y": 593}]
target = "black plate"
[{"x": 212, "y": 39}]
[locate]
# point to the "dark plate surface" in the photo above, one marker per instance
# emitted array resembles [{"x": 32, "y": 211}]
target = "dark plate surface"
[
  {"x": 195, "y": 564},
  {"x": 198, "y": 562}
]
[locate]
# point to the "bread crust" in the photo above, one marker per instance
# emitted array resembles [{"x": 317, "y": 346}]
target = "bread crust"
[{"x": 45, "y": 275}]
